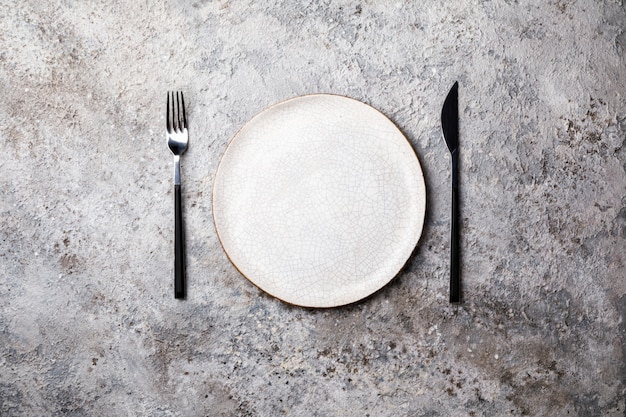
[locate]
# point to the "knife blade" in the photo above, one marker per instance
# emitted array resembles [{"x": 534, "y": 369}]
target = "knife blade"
[{"x": 450, "y": 128}]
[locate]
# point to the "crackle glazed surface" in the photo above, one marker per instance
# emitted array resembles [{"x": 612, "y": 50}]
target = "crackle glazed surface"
[
  {"x": 88, "y": 322},
  {"x": 319, "y": 200}
]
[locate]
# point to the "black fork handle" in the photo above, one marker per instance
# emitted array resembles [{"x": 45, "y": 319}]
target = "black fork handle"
[{"x": 179, "y": 247}]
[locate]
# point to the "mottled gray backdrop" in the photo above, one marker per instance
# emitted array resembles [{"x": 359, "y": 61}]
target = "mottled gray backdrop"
[{"x": 88, "y": 322}]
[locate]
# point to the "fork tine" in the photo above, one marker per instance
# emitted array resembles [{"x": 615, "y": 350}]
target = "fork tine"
[
  {"x": 168, "y": 118},
  {"x": 177, "y": 113},
  {"x": 173, "y": 121},
  {"x": 184, "y": 120}
]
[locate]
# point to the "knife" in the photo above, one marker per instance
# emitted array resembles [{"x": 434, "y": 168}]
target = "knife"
[{"x": 450, "y": 127}]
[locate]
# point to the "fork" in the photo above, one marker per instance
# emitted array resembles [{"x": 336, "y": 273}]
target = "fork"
[{"x": 177, "y": 140}]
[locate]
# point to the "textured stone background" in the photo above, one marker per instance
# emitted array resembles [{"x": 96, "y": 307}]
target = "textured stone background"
[{"x": 88, "y": 322}]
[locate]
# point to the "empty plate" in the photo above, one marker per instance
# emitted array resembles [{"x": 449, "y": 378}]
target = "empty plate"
[{"x": 319, "y": 200}]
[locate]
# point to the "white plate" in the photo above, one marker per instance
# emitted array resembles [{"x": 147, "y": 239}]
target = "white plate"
[{"x": 319, "y": 200}]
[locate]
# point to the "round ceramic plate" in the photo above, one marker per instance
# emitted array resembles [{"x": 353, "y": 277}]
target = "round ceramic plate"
[{"x": 319, "y": 200}]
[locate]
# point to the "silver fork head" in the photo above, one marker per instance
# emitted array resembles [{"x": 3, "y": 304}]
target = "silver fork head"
[{"x": 176, "y": 123}]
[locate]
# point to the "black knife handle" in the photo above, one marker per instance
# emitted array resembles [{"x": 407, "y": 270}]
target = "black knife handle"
[
  {"x": 179, "y": 246},
  {"x": 455, "y": 287}
]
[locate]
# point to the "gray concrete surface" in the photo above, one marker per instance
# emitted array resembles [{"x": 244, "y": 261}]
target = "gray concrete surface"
[{"x": 88, "y": 322}]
